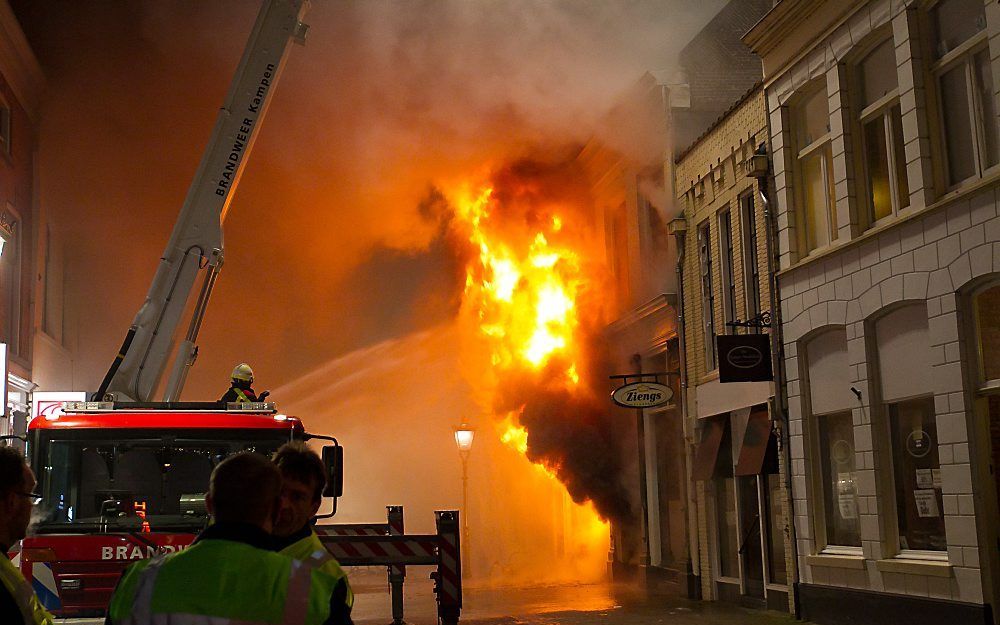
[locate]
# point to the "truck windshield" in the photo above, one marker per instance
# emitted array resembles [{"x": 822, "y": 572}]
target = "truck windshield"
[{"x": 126, "y": 483}]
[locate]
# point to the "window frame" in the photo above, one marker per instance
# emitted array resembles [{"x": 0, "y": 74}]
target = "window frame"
[
  {"x": 962, "y": 54},
  {"x": 891, "y": 504},
  {"x": 821, "y": 147},
  {"x": 882, "y": 441},
  {"x": 751, "y": 254},
  {"x": 707, "y": 280},
  {"x": 816, "y": 471},
  {"x": 882, "y": 107},
  {"x": 727, "y": 266},
  {"x": 6, "y": 128},
  {"x": 14, "y": 253}
]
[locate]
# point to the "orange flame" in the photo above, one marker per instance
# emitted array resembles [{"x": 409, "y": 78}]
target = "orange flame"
[
  {"x": 525, "y": 295},
  {"x": 523, "y": 291}
]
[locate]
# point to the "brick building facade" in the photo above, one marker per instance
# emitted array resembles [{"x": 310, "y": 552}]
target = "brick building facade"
[
  {"x": 21, "y": 85},
  {"x": 737, "y": 476},
  {"x": 883, "y": 128}
]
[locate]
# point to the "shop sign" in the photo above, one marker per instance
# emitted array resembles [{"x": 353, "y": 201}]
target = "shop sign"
[
  {"x": 744, "y": 358},
  {"x": 642, "y": 395}
]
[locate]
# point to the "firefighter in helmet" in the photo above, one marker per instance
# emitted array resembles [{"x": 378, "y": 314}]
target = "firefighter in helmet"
[{"x": 240, "y": 389}]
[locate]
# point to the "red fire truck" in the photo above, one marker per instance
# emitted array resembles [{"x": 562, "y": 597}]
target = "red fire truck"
[
  {"x": 123, "y": 477},
  {"x": 124, "y": 482}
]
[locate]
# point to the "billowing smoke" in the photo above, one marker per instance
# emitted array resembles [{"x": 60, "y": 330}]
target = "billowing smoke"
[
  {"x": 326, "y": 248},
  {"x": 556, "y": 394},
  {"x": 344, "y": 275}
]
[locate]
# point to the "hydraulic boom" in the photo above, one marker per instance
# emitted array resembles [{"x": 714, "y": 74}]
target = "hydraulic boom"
[{"x": 196, "y": 242}]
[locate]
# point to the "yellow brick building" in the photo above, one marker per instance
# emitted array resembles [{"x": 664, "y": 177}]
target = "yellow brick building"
[{"x": 745, "y": 545}]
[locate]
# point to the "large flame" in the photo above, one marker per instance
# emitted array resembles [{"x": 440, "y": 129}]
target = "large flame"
[
  {"x": 522, "y": 288},
  {"x": 524, "y": 292}
]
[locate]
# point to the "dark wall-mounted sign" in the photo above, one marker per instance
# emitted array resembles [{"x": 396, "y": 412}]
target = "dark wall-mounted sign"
[
  {"x": 642, "y": 395},
  {"x": 744, "y": 358}
]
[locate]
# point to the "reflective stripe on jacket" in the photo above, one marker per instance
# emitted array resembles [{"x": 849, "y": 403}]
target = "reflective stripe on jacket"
[
  {"x": 25, "y": 597},
  {"x": 221, "y": 582},
  {"x": 311, "y": 551}
]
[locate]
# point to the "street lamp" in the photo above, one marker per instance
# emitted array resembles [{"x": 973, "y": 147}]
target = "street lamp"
[{"x": 464, "y": 435}]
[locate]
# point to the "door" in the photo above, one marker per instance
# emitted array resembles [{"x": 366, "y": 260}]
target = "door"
[{"x": 751, "y": 555}]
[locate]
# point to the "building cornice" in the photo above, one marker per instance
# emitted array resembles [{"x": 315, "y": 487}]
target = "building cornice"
[
  {"x": 18, "y": 63},
  {"x": 664, "y": 302},
  {"x": 778, "y": 23}
]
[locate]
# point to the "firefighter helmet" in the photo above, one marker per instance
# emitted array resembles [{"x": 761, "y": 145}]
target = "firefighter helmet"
[{"x": 243, "y": 373}]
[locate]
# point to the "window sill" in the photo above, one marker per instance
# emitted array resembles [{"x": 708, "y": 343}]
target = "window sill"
[
  {"x": 914, "y": 567},
  {"x": 964, "y": 190},
  {"x": 837, "y": 561}
]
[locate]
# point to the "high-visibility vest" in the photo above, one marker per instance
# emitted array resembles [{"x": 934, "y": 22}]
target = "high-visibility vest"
[
  {"x": 25, "y": 597},
  {"x": 311, "y": 551},
  {"x": 218, "y": 582}
]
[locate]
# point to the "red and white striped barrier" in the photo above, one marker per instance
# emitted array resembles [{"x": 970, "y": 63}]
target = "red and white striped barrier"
[{"x": 359, "y": 545}]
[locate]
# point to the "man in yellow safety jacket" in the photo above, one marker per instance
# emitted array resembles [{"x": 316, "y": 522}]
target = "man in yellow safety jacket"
[
  {"x": 18, "y": 601},
  {"x": 303, "y": 478},
  {"x": 230, "y": 573}
]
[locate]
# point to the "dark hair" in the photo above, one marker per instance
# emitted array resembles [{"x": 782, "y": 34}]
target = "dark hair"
[
  {"x": 11, "y": 470},
  {"x": 245, "y": 488},
  {"x": 298, "y": 462}
]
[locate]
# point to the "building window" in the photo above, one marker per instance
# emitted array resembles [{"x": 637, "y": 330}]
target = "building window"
[
  {"x": 707, "y": 293},
  {"x": 817, "y": 209},
  {"x": 904, "y": 358},
  {"x": 884, "y": 163},
  {"x": 964, "y": 82},
  {"x": 52, "y": 297},
  {"x": 986, "y": 308},
  {"x": 619, "y": 253},
  {"x": 10, "y": 284},
  {"x": 5, "y": 128},
  {"x": 728, "y": 266},
  {"x": 833, "y": 442},
  {"x": 751, "y": 261}
]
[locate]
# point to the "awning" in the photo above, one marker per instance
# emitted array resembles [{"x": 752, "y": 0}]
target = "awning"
[
  {"x": 756, "y": 441},
  {"x": 707, "y": 453}
]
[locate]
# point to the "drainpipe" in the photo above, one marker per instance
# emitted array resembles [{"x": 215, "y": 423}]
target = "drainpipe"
[
  {"x": 759, "y": 168},
  {"x": 678, "y": 228}
]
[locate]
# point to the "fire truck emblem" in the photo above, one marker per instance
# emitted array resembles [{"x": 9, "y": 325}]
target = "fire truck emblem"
[{"x": 136, "y": 552}]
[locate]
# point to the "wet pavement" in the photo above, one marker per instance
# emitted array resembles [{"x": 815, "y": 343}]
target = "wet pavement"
[{"x": 580, "y": 604}]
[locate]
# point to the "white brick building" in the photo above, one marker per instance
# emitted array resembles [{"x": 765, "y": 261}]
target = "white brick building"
[{"x": 884, "y": 139}]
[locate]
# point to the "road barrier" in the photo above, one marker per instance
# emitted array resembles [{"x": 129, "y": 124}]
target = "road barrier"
[{"x": 376, "y": 544}]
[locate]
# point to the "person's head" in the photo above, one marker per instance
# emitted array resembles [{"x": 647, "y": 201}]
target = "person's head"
[
  {"x": 242, "y": 375},
  {"x": 16, "y": 485},
  {"x": 303, "y": 478},
  {"x": 244, "y": 488}
]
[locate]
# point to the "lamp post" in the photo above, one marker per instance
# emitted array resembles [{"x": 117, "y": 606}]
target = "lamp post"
[{"x": 464, "y": 434}]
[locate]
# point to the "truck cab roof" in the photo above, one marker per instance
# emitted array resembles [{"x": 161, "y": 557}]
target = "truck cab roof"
[{"x": 159, "y": 415}]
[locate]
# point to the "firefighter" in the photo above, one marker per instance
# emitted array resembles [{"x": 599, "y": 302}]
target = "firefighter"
[
  {"x": 303, "y": 478},
  {"x": 240, "y": 386},
  {"x": 230, "y": 573},
  {"x": 18, "y": 602}
]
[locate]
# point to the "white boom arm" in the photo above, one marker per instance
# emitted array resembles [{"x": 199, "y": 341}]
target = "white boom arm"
[{"x": 196, "y": 242}]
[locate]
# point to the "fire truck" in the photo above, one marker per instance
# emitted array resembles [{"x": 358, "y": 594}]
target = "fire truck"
[
  {"x": 123, "y": 477},
  {"x": 121, "y": 482}
]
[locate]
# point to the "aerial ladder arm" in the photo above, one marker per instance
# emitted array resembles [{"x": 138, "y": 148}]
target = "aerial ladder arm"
[{"x": 195, "y": 246}]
